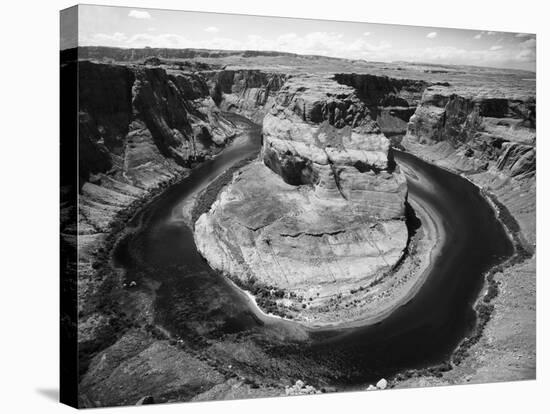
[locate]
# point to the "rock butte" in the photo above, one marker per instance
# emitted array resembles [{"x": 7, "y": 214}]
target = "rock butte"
[{"x": 323, "y": 212}]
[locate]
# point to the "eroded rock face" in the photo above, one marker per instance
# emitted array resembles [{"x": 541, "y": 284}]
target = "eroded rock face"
[
  {"x": 319, "y": 133},
  {"x": 322, "y": 213},
  {"x": 249, "y": 92},
  {"x": 490, "y": 136},
  {"x": 140, "y": 128},
  {"x": 391, "y": 101},
  {"x": 485, "y": 131}
]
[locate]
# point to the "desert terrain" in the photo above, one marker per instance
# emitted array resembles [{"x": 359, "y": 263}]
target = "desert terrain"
[{"x": 247, "y": 220}]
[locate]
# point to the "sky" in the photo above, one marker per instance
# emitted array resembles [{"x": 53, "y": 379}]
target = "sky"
[{"x": 128, "y": 27}]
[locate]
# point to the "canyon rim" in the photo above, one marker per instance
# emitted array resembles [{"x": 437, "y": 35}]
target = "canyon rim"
[{"x": 299, "y": 212}]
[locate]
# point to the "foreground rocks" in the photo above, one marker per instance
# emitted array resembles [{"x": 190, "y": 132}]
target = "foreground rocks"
[
  {"x": 300, "y": 388},
  {"x": 322, "y": 214}
]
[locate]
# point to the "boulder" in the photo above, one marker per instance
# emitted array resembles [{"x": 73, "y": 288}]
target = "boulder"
[
  {"x": 146, "y": 400},
  {"x": 382, "y": 384}
]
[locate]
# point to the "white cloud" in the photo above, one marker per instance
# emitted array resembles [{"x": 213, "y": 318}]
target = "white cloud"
[
  {"x": 521, "y": 35},
  {"x": 212, "y": 29},
  {"x": 495, "y": 47},
  {"x": 139, "y": 14},
  {"x": 481, "y": 34},
  {"x": 531, "y": 43},
  {"x": 431, "y": 35},
  {"x": 526, "y": 55},
  {"x": 151, "y": 29},
  {"x": 366, "y": 33}
]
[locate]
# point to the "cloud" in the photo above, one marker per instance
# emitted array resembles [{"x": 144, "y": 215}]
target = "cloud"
[
  {"x": 366, "y": 33},
  {"x": 139, "y": 14},
  {"x": 481, "y": 34},
  {"x": 212, "y": 29},
  {"x": 431, "y": 35},
  {"x": 526, "y": 55},
  {"x": 531, "y": 43},
  {"x": 151, "y": 29},
  {"x": 522, "y": 35},
  {"x": 495, "y": 47},
  {"x": 527, "y": 51}
]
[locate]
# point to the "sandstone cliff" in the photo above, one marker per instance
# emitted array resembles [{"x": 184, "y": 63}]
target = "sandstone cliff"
[
  {"x": 322, "y": 214},
  {"x": 489, "y": 136},
  {"x": 391, "y": 101},
  {"x": 249, "y": 92},
  {"x": 140, "y": 128}
]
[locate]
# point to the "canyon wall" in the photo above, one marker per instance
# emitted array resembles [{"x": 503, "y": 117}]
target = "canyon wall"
[
  {"x": 249, "y": 92},
  {"x": 322, "y": 213},
  {"x": 391, "y": 101},
  {"x": 489, "y": 137},
  {"x": 141, "y": 127}
]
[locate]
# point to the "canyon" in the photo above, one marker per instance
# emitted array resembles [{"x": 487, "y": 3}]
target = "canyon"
[{"x": 318, "y": 227}]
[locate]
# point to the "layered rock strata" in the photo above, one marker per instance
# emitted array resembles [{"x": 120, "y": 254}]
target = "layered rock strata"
[
  {"x": 490, "y": 137},
  {"x": 391, "y": 101},
  {"x": 140, "y": 128},
  {"x": 249, "y": 92},
  {"x": 322, "y": 213}
]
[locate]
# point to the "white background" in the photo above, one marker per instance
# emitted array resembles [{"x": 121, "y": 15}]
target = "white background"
[{"x": 29, "y": 161}]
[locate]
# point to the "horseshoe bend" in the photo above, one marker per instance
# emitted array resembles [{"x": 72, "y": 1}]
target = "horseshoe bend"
[{"x": 299, "y": 217}]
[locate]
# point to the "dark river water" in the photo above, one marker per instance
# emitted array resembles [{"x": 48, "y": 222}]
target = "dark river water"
[{"x": 199, "y": 306}]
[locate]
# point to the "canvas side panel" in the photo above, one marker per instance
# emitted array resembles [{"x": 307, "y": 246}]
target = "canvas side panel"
[{"x": 68, "y": 205}]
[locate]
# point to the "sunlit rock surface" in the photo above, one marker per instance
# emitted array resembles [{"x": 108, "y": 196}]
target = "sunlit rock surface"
[{"x": 488, "y": 135}]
